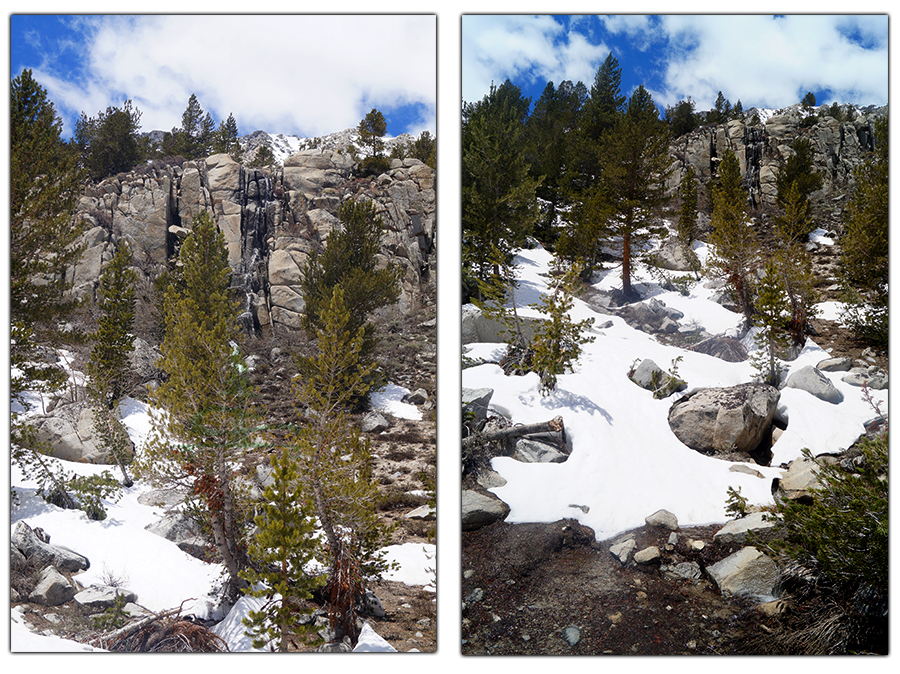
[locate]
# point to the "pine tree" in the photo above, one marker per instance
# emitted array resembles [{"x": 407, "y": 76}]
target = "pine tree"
[
  {"x": 209, "y": 420},
  {"x": 108, "y": 368},
  {"x": 335, "y": 464},
  {"x": 681, "y": 118},
  {"x": 350, "y": 260},
  {"x": 770, "y": 307},
  {"x": 109, "y": 143},
  {"x": 225, "y": 140},
  {"x": 687, "y": 217},
  {"x": 799, "y": 170},
  {"x": 796, "y": 223},
  {"x": 549, "y": 128},
  {"x": 631, "y": 188},
  {"x": 44, "y": 243},
  {"x": 865, "y": 245},
  {"x": 499, "y": 203},
  {"x": 263, "y": 157},
  {"x": 557, "y": 345},
  {"x": 736, "y": 248},
  {"x": 280, "y": 551}
]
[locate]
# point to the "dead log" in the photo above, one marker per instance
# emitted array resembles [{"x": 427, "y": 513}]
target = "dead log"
[{"x": 555, "y": 425}]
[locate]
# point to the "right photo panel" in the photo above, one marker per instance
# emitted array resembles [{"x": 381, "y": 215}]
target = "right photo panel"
[{"x": 674, "y": 334}]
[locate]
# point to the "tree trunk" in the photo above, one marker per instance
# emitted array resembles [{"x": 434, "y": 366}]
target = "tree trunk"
[{"x": 555, "y": 425}]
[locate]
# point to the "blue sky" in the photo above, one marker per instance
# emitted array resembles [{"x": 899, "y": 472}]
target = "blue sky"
[
  {"x": 305, "y": 75},
  {"x": 762, "y": 60}
]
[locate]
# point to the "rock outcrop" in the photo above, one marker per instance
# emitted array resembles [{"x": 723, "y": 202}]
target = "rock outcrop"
[
  {"x": 763, "y": 148},
  {"x": 724, "y": 421},
  {"x": 271, "y": 220}
]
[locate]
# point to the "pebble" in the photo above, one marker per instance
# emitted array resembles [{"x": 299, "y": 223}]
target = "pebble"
[{"x": 572, "y": 635}]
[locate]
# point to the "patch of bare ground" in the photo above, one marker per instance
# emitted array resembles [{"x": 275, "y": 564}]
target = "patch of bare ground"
[{"x": 534, "y": 589}]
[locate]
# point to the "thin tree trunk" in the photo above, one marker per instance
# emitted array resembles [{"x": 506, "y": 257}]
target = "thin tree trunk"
[{"x": 555, "y": 425}]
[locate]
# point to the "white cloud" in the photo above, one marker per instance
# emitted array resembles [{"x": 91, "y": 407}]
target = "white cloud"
[
  {"x": 772, "y": 62},
  {"x": 537, "y": 47},
  {"x": 309, "y": 75}
]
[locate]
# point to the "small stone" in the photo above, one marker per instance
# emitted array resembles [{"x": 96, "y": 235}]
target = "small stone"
[
  {"x": 647, "y": 555},
  {"x": 572, "y": 635},
  {"x": 663, "y": 519},
  {"x": 615, "y": 618}
]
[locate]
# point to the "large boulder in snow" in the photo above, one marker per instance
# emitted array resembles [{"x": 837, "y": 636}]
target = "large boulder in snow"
[
  {"x": 69, "y": 432},
  {"x": 724, "y": 421},
  {"x": 52, "y": 589},
  {"x": 674, "y": 256},
  {"x": 811, "y": 380},
  {"x": 723, "y": 348},
  {"x": 651, "y": 317},
  {"x": 476, "y": 327},
  {"x": 44, "y": 554}
]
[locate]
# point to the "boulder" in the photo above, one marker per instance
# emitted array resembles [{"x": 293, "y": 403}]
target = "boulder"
[
  {"x": 52, "y": 589},
  {"x": 475, "y": 403},
  {"x": 662, "y": 519},
  {"x": 674, "y": 256},
  {"x": 795, "y": 483},
  {"x": 622, "y": 550},
  {"x": 835, "y": 365},
  {"x": 102, "y": 597},
  {"x": 373, "y": 422},
  {"x": 746, "y": 573},
  {"x": 811, "y": 380},
  {"x": 736, "y": 531},
  {"x": 723, "y": 348},
  {"x": 648, "y": 555},
  {"x": 479, "y": 510},
  {"x": 650, "y": 376},
  {"x": 721, "y": 421},
  {"x": 534, "y": 451},
  {"x": 45, "y": 554}
]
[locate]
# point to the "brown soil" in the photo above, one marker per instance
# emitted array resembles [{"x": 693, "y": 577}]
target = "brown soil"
[{"x": 535, "y": 581}]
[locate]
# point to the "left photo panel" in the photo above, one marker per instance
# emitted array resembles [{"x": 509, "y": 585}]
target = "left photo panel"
[{"x": 222, "y": 348}]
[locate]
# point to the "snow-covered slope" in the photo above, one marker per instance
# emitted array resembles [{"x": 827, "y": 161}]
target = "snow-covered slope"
[
  {"x": 625, "y": 462},
  {"x": 156, "y": 569}
]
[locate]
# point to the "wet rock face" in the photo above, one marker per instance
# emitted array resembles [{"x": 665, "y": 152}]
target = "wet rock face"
[
  {"x": 762, "y": 149},
  {"x": 271, "y": 221}
]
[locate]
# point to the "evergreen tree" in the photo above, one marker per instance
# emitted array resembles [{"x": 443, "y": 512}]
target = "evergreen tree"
[
  {"x": 808, "y": 103},
  {"x": 631, "y": 185},
  {"x": 108, "y": 367},
  {"x": 109, "y": 143},
  {"x": 770, "y": 306},
  {"x": 865, "y": 244},
  {"x": 557, "y": 346},
  {"x": 687, "y": 217},
  {"x": 799, "y": 169},
  {"x": 736, "y": 248},
  {"x": 549, "y": 130},
  {"x": 226, "y": 138},
  {"x": 681, "y": 118},
  {"x": 282, "y": 548},
  {"x": 209, "y": 420},
  {"x": 263, "y": 157},
  {"x": 737, "y": 112},
  {"x": 799, "y": 282},
  {"x": 371, "y": 130},
  {"x": 335, "y": 465},
  {"x": 350, "y": 260},
  {"x": 44, "y": 244},
  {"x": 499, "y": 204},
  {"x": 796, "y": 223}
]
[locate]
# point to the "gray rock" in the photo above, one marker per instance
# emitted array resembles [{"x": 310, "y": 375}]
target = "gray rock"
[
  {"x": 475, "y": 403},
  {"x": 479, "y": 510},
  {"x": 746, "y": 573},
  {"x": 797, "y": 480},
  {"x": 812, "y": 381},
  {"x": 533, "y": 451},
  {"x": 622, "y": 551},
  {"x": 373, "y": 422},
  {"x": 723, "y": 348},
  {"x": 44, "y": 554},
  {"x": 724, "y": 420},
  {"x": 736, "y": 531},
  {"x": 662, "y": 519},
  {"x": 648, "y": 375},
  {"x": 52, "y": 589},
  {"x": 571, "y": 634},
  {"x": 647, "y": 555},
  {"x": 102, "y": 597},
  {"x": 682, "y": 570},
  {"x": 835, "y": 365},
  {"x": 416, "y": 397}
]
